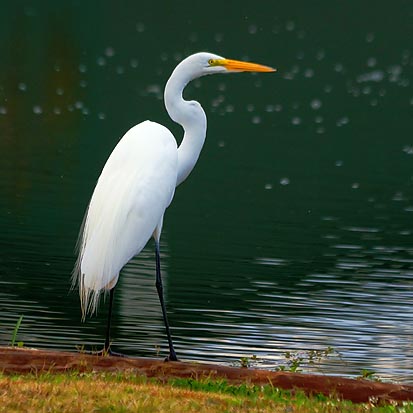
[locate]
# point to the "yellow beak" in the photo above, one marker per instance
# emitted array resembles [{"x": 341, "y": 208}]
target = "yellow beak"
[{"x": 239, "y": 66}]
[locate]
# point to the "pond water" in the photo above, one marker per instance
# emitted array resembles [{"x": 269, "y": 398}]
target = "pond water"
[{"x": 293, "y": 233}]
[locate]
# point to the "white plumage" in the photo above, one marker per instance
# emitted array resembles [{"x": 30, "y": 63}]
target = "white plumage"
[{"x": 135, "y": 187}]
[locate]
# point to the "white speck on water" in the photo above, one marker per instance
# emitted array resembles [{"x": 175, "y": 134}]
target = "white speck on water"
[
  {"x": 154, "y": 90},
  {"x": 370, "y": 37},
  {"x": 301, "y": 34},
  {"x": 320, "y": 130},
  {"x": 37, "y": 110},
  {"x": 60, "y": 91},
  {"x": 409, "y": 208},
  {"x": 109, "y": 52},
  {"x": 355, "y": 91},
  {"x": 140, "y": 27},
  {"x": 300, "y": 55},
  {"x": 177, "y": 57},
  {"x": 374, "y": 76},
  {"x": 316, "y": 104},
  {"x": 366, "y": 90},
  {"x": 369, "y": 230},
  {"x": 321, "y": 54},
  {"x": 256, "y": 120},
  {"x": 22, "y": 86},
  {"x": 229, "y": 108},
  {"x": 295, "y": 69},
  {"x": 218, "y": 100},
  {"x": 270, "y": 261},
  {"x": 318, "y": 119},
  {"x": 371, "y": 62},
  {"x": 328, "y": 88},
  {"x": 404, "y": 82},
  {"x": 308, "y": 73},
  {"x": 134, "y": 63},
  {"x": 329, "y": 218},
  {"x": 250, "y": 107},
  {"x": 83, "y": 83},
  {"x": 284, "y": 181},
  {"x": 85, "y": 111},
  {"x": 252, "y": 29},
  {"x": 82, "y": 68},
  {"x": 78, "y": 104},
  {"x": 3, "y": 110},
  {"x": 278, "y": 107},
  {"x": 343, "y": 121},
  {"x": 288, "y": 75},
  {"x": 101, "y": 61},
  {"x": 120, "y": 70},
  {"x": 339, "y": 163},
  {"x": 268, "y": 186},
  {"x": 394, "y": 72},
  {"x": 219, "y": 37},
  {"x": 408, "y": 149},
  {"x": 270, "y": 108},
  {"x": 57, "y": 110},
  {"x": 101, "y": 116},
  {"x": 276, "y": 29},
  {"x": 374, "y": 102},
  {"x": 290, "y": 26},
  {"x": 296, "y": 120},
  {"x": 338, "y": 67},
  {"x": 355, "y": 185},
  {"x": 398, "y": 196},
  {"x": 222, "y": 87}
]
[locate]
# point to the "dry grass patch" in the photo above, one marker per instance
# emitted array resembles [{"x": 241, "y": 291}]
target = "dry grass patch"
[{"x": 121, "y": 393}]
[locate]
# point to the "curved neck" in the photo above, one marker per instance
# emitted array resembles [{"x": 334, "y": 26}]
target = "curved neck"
[{"x": 190, "y": 115}]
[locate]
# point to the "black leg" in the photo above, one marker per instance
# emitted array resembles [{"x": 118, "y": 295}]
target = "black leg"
[
  {"x": 107, "y": 339},
  {"x": 106, "y": 349},
  {"x": 159, "y": 288}
]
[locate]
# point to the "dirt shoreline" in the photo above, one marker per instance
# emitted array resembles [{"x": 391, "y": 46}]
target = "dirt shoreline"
[{"x": 23, "y": 360}]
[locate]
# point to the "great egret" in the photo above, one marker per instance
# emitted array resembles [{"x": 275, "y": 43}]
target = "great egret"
[{"x": 137, "y": 184}]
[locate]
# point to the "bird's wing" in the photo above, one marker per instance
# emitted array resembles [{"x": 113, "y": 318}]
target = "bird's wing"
[{"x": 134, "y": 189}]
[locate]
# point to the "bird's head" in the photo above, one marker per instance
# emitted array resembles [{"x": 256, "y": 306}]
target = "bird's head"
[
  {"x": 220, "y": 64},
  {"x": 201, "y": 64}
]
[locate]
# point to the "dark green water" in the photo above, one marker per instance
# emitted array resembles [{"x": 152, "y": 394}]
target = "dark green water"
[{"x": 295, "y": 230}]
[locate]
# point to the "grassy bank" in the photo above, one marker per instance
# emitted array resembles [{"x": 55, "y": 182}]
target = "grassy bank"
[{"x": 106, "y": 392}]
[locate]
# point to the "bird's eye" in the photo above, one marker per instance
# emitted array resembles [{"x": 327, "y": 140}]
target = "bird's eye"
[{"x": 211, "y": 62}]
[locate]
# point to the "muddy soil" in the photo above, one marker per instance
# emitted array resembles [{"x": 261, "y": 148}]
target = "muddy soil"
[{"x": 16, "y": 360}]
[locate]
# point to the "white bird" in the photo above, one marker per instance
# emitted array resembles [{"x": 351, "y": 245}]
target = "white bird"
[{"x": 137, "y": 184}]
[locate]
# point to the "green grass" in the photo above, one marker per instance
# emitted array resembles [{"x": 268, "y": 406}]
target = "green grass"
[
  {"x": 127, "y": 392},
  {"x": 15, "y": 332}
]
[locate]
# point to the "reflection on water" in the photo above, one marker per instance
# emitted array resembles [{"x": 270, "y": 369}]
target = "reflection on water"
[
  {"x": 293, "y": 232},
  {"x": 359, "y": 308}
]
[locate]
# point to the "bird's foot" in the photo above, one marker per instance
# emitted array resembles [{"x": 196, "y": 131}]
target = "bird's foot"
[
  {"x": 171, "y": 357},
  {"x": 109, "y": 352}
]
